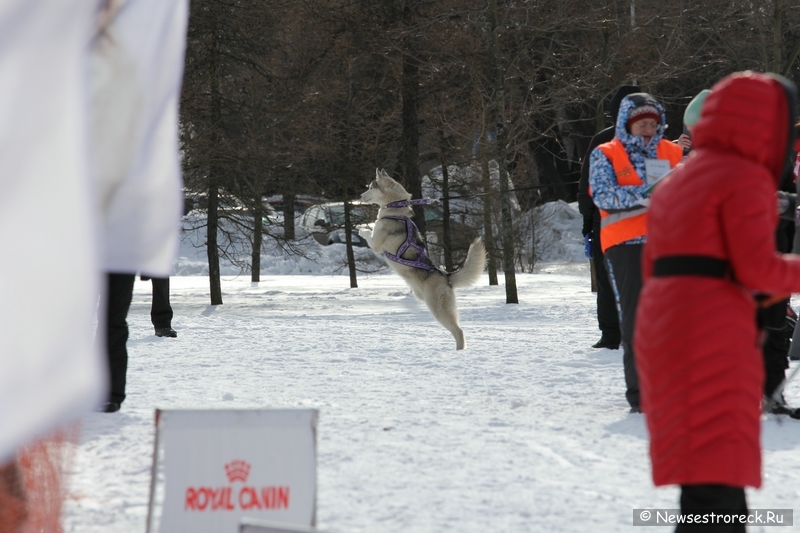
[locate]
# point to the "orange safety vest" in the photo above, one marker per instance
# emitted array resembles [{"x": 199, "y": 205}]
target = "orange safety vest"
[{"x": 626, "y": 224}]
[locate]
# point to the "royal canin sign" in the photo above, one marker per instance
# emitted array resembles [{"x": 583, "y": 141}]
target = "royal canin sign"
[
  {"x": 220, "y": 466},
  {"x": 238, "y": 495}
]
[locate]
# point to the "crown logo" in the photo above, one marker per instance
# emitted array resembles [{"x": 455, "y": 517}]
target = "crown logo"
[{"x": 237, "y": 471}]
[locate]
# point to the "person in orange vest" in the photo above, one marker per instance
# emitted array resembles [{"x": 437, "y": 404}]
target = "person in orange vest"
[{"x": 621, "y": 173}]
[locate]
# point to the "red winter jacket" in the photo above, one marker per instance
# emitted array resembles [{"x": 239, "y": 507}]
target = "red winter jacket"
[{"x": 697, "y": 346}]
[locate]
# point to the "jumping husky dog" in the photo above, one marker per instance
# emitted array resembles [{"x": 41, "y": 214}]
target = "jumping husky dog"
[{"x": 398, "y": 238}]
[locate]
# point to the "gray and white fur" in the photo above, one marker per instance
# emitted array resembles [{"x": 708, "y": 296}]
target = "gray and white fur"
[{"x": 434, "y": 287}]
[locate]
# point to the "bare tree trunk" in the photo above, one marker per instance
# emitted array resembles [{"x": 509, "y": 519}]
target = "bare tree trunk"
[
  {"x": 791, "y": 60},
  {"x": 533, "y": 240},
  {"x": 213, "y": 189},
  {"x": 288, "y": 216},
  {"x": 348, "y": 225},
  {"x": 488, "y": 237},
  {"x": 410, "y": 152},
  {"x": 777, "y": 36},
  {"x": 447, "y": 242},
  {"x": 348, "y": 239},
  {"x": 211, "y": 244},
  {"x": 500, "y": 155},
  {"x": 258, "y": 239},
  {"x": 600, "y": 117}
]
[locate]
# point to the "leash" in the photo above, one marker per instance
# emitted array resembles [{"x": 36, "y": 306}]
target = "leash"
[
  {"x": 409, "y": 203},
  {"x": 434, "y": 201}
]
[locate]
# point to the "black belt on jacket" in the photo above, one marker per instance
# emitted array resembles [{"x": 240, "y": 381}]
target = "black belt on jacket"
[{"x": 692, "y": 265}]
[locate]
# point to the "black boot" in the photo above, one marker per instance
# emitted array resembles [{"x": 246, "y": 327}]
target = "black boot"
[
  {"x": 780, "y": 407},
  {"x": 109, "y": 407},
  {"x": 166, "y": 332},
  {"x": 608, "y": 341}
]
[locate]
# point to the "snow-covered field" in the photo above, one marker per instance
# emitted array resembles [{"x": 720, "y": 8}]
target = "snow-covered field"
[{"x": 525, "y": 430}]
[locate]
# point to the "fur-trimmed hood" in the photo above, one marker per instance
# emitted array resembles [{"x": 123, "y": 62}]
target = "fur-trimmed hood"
[
  {"x": 629, "y": 103},
  {"x": 751, "y": 115}
]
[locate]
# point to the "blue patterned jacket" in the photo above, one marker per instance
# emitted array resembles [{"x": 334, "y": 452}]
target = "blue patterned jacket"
[{"x": 607, "y": 194}]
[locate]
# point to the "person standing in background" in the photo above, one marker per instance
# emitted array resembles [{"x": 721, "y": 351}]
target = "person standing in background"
[
  {"x": 619, "y": 177},
  {"x": 607, "y": 315},
  {"x": 136, "y": 73},
  {"x": 779, "y": 319},
  {"x": 691, "y": 116}
]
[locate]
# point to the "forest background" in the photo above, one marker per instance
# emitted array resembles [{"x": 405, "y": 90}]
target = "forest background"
[{"x": 307, "y": 97}]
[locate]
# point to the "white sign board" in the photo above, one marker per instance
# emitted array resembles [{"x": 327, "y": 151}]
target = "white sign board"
[{"x": 222, "y": 465}]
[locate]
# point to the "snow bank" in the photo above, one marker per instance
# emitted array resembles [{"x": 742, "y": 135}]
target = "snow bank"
[
  {"x": 554, "y": 228},
  {"x": 558, "y": 235},
  {"x": 278, "y": 257}
]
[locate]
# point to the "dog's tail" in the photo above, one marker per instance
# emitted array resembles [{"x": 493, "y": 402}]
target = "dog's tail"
[{"x": 473, "y": 267}]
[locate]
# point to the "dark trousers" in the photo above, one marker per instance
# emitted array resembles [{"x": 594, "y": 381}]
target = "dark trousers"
[
  {"x": 777, "y": 341},
  {"x": 624, "y": 263},
  {"x": 161, "y": 311},
  {"x": 701, "y": 499},
  {"x": 118, "y": 301},
  {"x": 776, "y": 359},
  {"x": 607, "y": 317}
]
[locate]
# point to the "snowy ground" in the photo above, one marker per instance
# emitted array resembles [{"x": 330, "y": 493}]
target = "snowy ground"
[{"x": 527, "y": 430}]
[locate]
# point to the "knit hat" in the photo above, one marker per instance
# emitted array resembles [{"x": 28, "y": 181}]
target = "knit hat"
[
  {"x": 692, "y": 114},
  {"x": 644, "y": 110},
  {"x": 616, "y": 100}
]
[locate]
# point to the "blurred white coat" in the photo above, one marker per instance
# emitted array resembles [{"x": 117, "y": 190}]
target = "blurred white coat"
[{"x": 89, "y": 182}]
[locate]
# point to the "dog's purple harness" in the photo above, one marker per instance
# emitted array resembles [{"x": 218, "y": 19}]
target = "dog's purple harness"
[{"x": 411, "y": 230}]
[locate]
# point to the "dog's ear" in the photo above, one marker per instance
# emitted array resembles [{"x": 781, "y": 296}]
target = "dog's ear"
[{"x": 380, "y": 174}]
